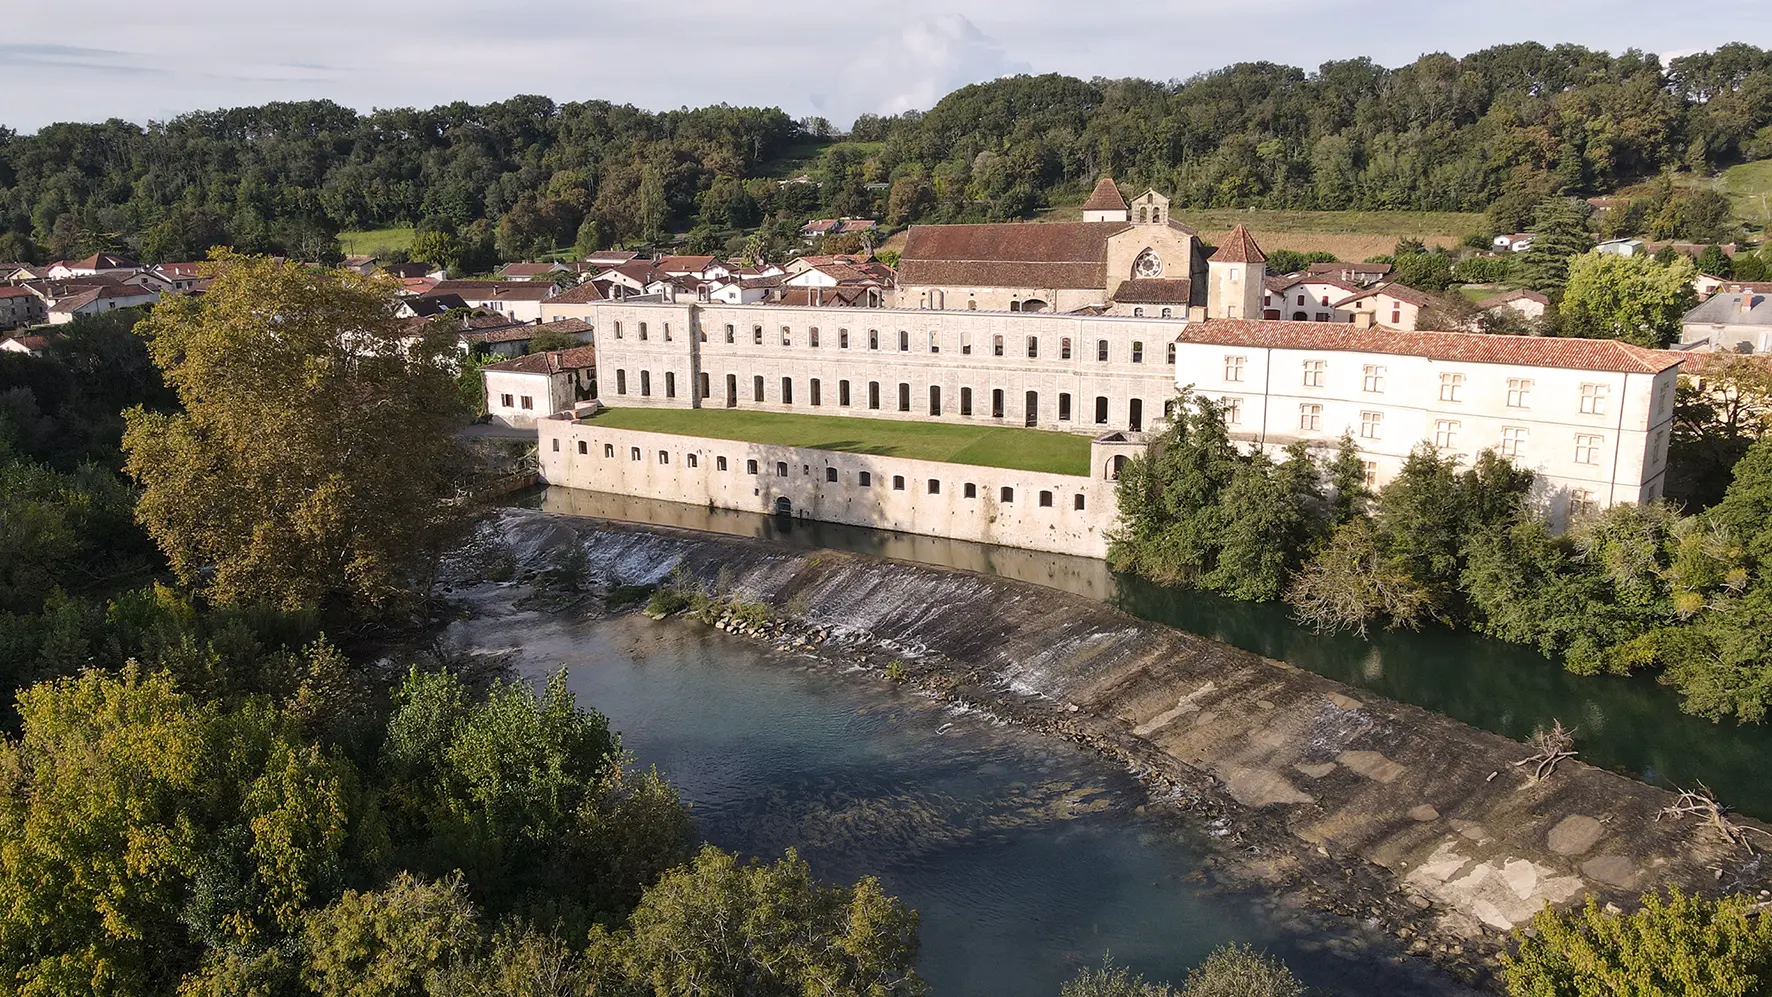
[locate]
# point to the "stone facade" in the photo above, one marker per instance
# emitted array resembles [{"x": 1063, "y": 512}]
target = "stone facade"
[{"x": 1060, "y": 513}]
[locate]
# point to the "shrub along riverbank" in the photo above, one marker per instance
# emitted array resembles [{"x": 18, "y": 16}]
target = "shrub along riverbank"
[{"x": 1635, "y": 587}]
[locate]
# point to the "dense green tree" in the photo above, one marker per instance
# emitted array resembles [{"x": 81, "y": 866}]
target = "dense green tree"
[
  {"x": 1715, "y": 262},
  {"x": 1632, "y": 298},
  {"x": 1559, "y": 227}
]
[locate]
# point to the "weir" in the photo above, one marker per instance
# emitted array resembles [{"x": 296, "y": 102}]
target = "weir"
[{"x": 1317, "y": 777}]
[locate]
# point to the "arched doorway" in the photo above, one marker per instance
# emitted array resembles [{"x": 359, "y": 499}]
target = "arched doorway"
[
  {"x": 1300, "y": 317},
  {"x": 784, "y": 508}
]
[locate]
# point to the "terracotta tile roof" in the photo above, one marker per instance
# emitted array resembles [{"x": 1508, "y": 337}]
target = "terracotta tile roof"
[
  {"x": 523, "y": 332},
  {"x": 638, "y": 270},
  {"x": 1014, "y": 254},
  {"x": 1105, "y": 197},
  {"x": 104, "y": 261},
  {"x": 181, "y": 271},
  {"x": 1514, "y": 295},
  {"x": 1381, "y": 269},
  {"x": 526, "y": 269},
  {"x": 1281, "y": 284},
  {"x": 611, "y": 259},
  {"x": 551, "y": 362},
  {"x": 34, "y": 344},
  {"x": 15, "y": 292},
  {"x": 1464, "y": 347},
  {"x": 825, "y": 297},
  {"x": 684, "y": 264},
  {"x": 1160, "y": 291},
  {"x": 1240, "y": 247},
  {"x": 582, "y": 294},
  {"x": 495, "y": 290},
  {"x": 1402, "y": 292}
]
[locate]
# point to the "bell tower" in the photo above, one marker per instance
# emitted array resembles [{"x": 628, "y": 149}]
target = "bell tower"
[
  {"x": 1149, "y": 208},
  {"x": 1236, "y": 275},
  {"x": 1105, "y": 204}
]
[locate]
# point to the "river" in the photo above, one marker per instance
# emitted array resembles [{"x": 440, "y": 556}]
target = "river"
[
  {"x": 1027, "y": 857},
  {"x": 1630, "y": 725}
]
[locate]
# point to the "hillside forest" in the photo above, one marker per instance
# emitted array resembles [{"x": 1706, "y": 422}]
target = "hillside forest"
[{"x": 1498, "y": 130}]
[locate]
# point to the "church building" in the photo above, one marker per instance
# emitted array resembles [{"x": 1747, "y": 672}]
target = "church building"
[{"x": 1121, "y": 259}]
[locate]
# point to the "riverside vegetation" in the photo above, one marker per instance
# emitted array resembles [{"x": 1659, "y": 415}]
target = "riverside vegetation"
[
  {"x": 211, "y": 788},
  {"x": 1497, "y": 130}
]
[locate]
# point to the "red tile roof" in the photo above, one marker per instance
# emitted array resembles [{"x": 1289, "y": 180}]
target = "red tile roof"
[
  {"x": 526, "y": 269},
  {"x": 103, "y": 261},
  {"x": 582, "y": 294},
  {"x": 1239, "y": 248},
  {"x": 684, "y": 264},
  {"x": 1465, "y": 347},
  {"x": 551, "y": 362},
  {"x": 15, "y": 292},
  {"x": 1015, "y": 254},
  {"x": 1160, "y": 291},
  {"x": 1105, "y": 197},
  {"x": 1402, "y": 292}
]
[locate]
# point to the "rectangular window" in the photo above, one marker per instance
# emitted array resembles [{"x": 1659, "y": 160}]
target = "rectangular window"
[
  {"x": 556, "y": 447},
  {"x": 934, "y": 486},
  {"x": 1451, "y": 387},
  {"x": 1033, "y": 347},
  {"x": 633, "y": 453},
  {"x": 873, "y": 394},
  {"x": 813, "y": 393},
  {"x": 1313, "y": 373},
  {"x": 864, "y": 478},
  {"x": 719, "y": 463},
  {"x": 667, "y": 332},
  {"x": 1101, "y": 410},
  {"x": 873, "y": 339},
  {"x": 757, "y": 335},
  {"x": 971, "y": 490},
  {"x": 842, "y": 339},
  {"x": 1587, "y": 448},
  {"x": 1077, "y": 503},
  {"x": 1371, "y": 424},
  {"x": 1169, "y": 355},
  {"x": 1310, "y": 418},
  {"x": 730, "y": 334},
  {"x": 812, "y": 337},
  {"x": 1513, "y": 441},
  {"x": 965, "y": 401},
  {"x": 904, "y": 397},
  {"x": 1006, "y": 494},
  {"x": 506, "y": 401},
  {"x": 1519, "y": 392},
  {"x": 618, "y": 330},
  {"x": 1232, "y": 409},
  {"x": 1369, "y": 472},
  {"x": 898, "y": 482},
  {"x": 645, "y": 384},
  {"x": 934, "y": 343},
  {"x": 1045, "y": 499},
  {"x": 664, "y": 456},
  {"x": 996, "y": 346},
  {"x": 1064, "y": 348},
  {"x": 621, "y": 382},
  {"x": 830, "y": 474},
  {"x": 787, "y": 338},
  {"x": 787, "y": 391},
  {"x": 904, "y": 341},
  {"x": 1446, "y": 433},
  {"x": 608, "y": 449},
  {"x": 1593, "y": 399},
  {"x": 997, "y": 403},
  {"x": 757, "y": 387},
  {"x": 781, "y": 468},
  {"x": 1101, "y": 351},
  {"x": 1137, "y": 352},
  {"x": 965, "y": 344},
  {"x": 750, "y": 467},
  {"x": 1581, "y": 502},
  {"x": 843, "y": 393},
  {"x": 1372, "y": 379},
  {"x": 1233, "y": 368},
  {"x": 1064, "y": 406},
  {"x": 642, "y": 332},
  {"x": 935, "y": 399}
]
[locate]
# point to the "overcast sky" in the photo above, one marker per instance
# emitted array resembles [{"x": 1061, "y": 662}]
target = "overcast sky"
[{"x": 87, "y": 60}]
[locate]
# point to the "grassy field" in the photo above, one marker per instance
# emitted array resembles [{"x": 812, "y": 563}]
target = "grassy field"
[
  {"x": 985, "y": 446},
  {"x": 1749, "y": 189},
  {"x": 375, "y": 241}
]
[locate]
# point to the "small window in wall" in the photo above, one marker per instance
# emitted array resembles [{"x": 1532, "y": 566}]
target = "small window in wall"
[
  {"x": 1045, "y": 499},
  {"x": 730, "y": 335},
  {"x": 731, "y": 390},
  {"x": 1064, "y": 406},
  {"x": 812, "y": 337},
  {"x": 996, "y": 403},
  {"x": 670, "y": 384},
  {"x": 526, "y": 402},
  {"x": 704, "y": 335},
  {"x": 1137, "y": 352},
  {"x": 1135, "y": 415},
  {"x": 898, "y": 482},
  {"x": 1064, "y": 348},
  {"x": 842, "y": 339},
  {"x": 787, "y": 391},
  {"x": 1169, "y": 353},
  {"x": 757, "y": 335},
  {"x": 966, "y": 344},
  {"x": 935, "y": 399},
  {"x": 719, "y": 463},
  {"x": 843, "y": 393},
  {"x": 750, "y": 467},
  {"x": 618, "y": 330},
  {"x": 642, "y": 332},
  {"x": 935, "y": 486},
  {"x": 965, "y": 401},
  {"x": 1101, "y": 410},
  {"x": 1077, "y": 503},
  {"x": 1101, "y": 350},
  {"x": 971, "y": 490},
  {"x": 556, "y": 446},
  {"x": 934, "y": 343},
  {"x": 664, "y": 456},
  {"x": 1138, "y": 313},
  {"x": 873, "y": 339},
  {"x": 621, "y": 382},
  {"x": 813, "y": 393},
  {"x": 781, "y": 468},
  {"x": 904, "y": 397},
  {"x": 873, "y": 394},
  {"x": 506, "y": 401},
  {"x": 1006, "y": 494},
  {"x": 996, "y": 346},
  {"x": 864, "y": 478},
  {"x": 608, "y": 449},
  {"x": 1033, "y": 347},
  {"x": 691, "y": 460},
  {"x": 757, "y": 387},
  {"x": 633, "y": 453},
  {"x": 830, "y": 474},
  {"x": 787, "y": 337},
  {"x": 645, "y": 384},
  {"x": 667, "y": 332},
  {"x": 1166, "y": 313},
  {"x": 1032, "y": 409},
  {"x": 707, "y": 387},
  {"x": 904, "y": 341}
]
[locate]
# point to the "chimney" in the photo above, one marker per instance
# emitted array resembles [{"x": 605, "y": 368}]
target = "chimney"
[
  {"x": 1363, "y": 320},
  {"x": 1747, "y": 301},
  {"x": 1196, "y": 313}
]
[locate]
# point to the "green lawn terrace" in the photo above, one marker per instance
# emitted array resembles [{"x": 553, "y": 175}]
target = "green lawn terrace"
[{"x": 983, "y": 446}]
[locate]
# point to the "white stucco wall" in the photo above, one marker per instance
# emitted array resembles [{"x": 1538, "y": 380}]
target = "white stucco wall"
[{"x": 687, "y": 469}]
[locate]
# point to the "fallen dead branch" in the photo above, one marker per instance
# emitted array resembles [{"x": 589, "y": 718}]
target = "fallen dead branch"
[
  {"x": 1702, "y": 803},
  {"x": 1553, "y": 746}
]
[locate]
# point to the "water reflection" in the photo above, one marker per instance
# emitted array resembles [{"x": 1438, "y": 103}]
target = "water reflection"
[
  {"x": 1631, "y": 725},
  {"x": 1024, "y": 855}
]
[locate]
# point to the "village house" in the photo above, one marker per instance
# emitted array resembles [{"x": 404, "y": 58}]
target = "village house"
[
  {"x": 514, "y": 340},
  {"x": 1738, "y": 321},
  {"x": 28, "y": 345},
  {"x": 1620, "y": 247},
  {"x": 1310, "y": 298},
  {"x": 522, "y": 390},
  {"x": 361, "y": 263},
  {"x": 19, "y": 307},
  {"x": 1524, "y": 303},
  {"x": 532, "y": 271},
  {"x": 415, "y": 270},
  {"x": 1051, "y": 266},
  {"x": 1362, "y": 274},
  {"x": 609, "y": 258},
  {"x": 518, "y": 300},
  {"x": 92, "y": 266},
  {"x": 97, "y": 300},
  {"x": 1398, "y": 306}
]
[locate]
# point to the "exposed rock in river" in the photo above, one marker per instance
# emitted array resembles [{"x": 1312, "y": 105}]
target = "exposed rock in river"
[{"x": 1365, "y": 806}]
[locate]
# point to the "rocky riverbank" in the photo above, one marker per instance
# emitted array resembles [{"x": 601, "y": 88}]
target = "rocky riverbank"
[{"x": 1369, "y": 808}]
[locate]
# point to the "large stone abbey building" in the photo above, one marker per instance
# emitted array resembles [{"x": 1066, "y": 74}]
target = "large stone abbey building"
[{"x": 993, "y": 332}]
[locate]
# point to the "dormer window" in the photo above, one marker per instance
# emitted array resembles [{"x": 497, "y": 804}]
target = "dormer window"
[{"x": 1148, "y": 265}]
